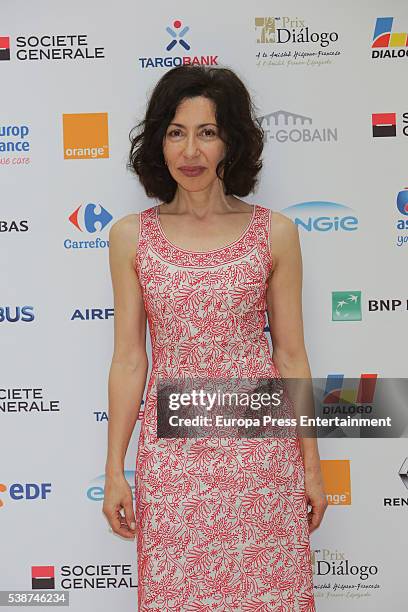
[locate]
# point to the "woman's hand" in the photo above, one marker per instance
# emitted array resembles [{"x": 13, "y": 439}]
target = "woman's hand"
[
  {"x": 315, "y": 497},
  {"x": 118, "y": 496}
]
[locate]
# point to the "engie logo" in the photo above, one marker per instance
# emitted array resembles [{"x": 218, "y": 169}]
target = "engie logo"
[
  {"x": 318, "y": 216},
  {"x": 337, "y": 482},
  {"x": 85, "y": 135},
  {"x": 96, "y": 489},
  {"x": 4, "y": 48}
]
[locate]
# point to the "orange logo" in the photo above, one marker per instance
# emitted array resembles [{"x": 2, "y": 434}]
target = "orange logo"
[
  {"x": 337, "y": 482},
  {"x": 85, "y": 135}
]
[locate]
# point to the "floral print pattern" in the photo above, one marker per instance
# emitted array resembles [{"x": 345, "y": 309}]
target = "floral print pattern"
[{"x": 221, "y": 523}]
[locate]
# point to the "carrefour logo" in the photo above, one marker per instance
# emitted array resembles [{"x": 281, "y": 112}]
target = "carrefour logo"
[{"x": 90, "y": 218}]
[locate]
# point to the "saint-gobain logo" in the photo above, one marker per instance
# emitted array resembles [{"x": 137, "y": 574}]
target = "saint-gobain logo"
[{"x": 177, "y": 36}]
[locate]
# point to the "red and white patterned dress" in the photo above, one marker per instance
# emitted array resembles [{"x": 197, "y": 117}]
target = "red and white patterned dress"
[{"x": 221, "y": 523}]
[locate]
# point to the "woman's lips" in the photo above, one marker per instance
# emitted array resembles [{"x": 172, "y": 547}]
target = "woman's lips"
[{"x": 192, "y": 171}]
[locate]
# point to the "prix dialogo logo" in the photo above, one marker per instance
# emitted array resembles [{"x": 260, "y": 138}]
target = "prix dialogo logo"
[
  {"x": 322, "y": 216},
  {"x": 386, "y": 43},
  {"x": 4, "y": 48},
  {"x": 85, "y": 135},
  {"x": 90, "y": 218},
  {"x": 177, "y": 38},
  {"x": 289, "y": 41}
]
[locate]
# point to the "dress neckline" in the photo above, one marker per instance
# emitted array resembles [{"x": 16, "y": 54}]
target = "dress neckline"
[{"x": 223, "y": 248}]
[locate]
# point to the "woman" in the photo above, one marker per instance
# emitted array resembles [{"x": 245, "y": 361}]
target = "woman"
[{"x": 222, "y": 524}]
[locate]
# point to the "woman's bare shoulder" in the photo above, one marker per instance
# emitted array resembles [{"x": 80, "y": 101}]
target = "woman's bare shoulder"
[
  {"x": 284, "y": 234},
  {"x": 124, "y": 234}
]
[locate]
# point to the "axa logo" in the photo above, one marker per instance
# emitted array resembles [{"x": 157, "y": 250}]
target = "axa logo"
[
  {"x": 321, "y": 216},
  {"x": 4, "y": 48},
  {"x": 90, "y": 218},
  {"x": 177, "y": 32}
]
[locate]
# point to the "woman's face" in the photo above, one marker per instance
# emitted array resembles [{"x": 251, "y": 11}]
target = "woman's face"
[{"x": 192, "y": 139}]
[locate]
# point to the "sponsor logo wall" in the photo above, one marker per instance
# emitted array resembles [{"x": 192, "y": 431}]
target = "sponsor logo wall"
[{"x": 327, "y": 87}]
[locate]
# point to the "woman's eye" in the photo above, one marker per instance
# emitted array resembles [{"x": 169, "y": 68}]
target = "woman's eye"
[
  {"x": 209, "y": 132},
  {"x": 206, "y": 132}
]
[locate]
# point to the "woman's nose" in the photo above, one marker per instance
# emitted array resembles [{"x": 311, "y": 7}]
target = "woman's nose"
[{"x": 191, "y": 147}]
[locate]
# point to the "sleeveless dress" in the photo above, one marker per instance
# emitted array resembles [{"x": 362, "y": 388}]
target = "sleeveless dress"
[{"x": 221, "y": 523}]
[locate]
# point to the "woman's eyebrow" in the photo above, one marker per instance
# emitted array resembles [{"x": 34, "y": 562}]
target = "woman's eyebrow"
[{"x": 201, "y": 124}]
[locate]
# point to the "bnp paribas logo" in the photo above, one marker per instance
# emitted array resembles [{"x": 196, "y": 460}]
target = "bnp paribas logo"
[{"x": 346, "y": 305}]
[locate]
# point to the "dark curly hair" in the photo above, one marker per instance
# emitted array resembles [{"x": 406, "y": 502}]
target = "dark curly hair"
[{"x": 234, "y": 112}]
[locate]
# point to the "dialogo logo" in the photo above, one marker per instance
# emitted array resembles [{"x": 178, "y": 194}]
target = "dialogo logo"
[
  {"x": 85, "y": 135},
  {"x": 337, "y": 482}
]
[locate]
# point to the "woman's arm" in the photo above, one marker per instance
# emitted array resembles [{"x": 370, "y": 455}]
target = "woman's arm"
[
  {"x": 284, "y": 306},
  {"x": 128, "y": 370}
]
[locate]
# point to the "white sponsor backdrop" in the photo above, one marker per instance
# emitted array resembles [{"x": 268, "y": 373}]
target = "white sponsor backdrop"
[{"x": 56, "y": 350}]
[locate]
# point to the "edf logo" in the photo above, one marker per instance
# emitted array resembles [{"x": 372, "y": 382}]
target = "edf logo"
[{"x": 26, "y": 491}]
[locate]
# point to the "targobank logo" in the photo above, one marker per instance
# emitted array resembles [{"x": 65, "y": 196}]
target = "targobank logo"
[
  {"x": 90, "y": 218},
  {"x": 177, "y": 32},
  {"x": 322, "y": 216},
  {"x": 177, "y": 36}
]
